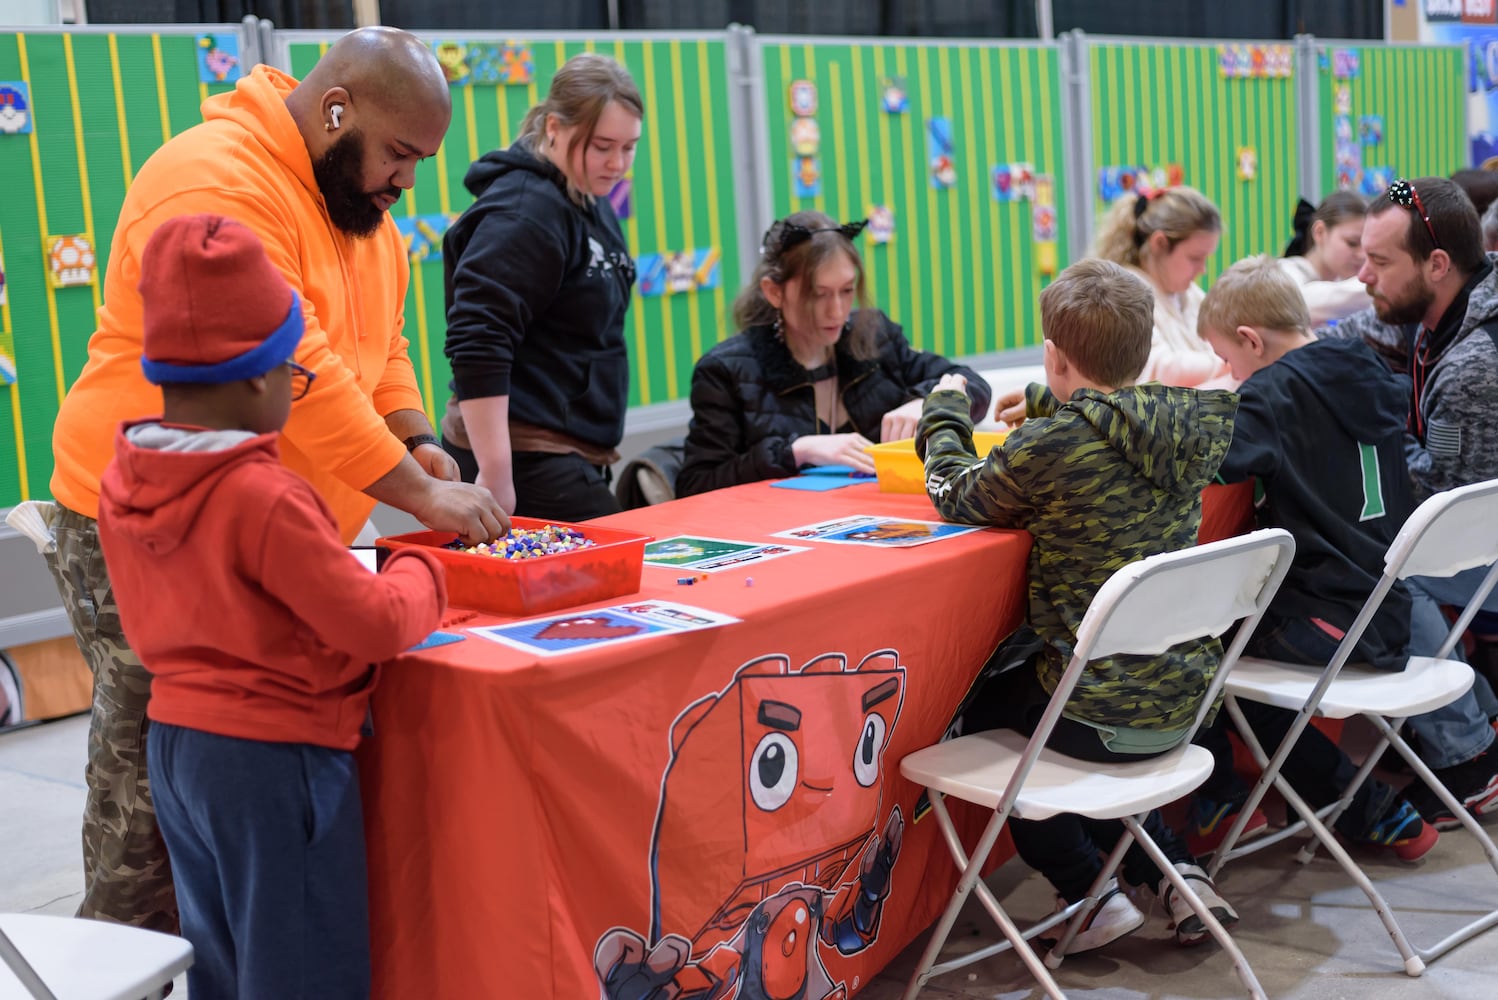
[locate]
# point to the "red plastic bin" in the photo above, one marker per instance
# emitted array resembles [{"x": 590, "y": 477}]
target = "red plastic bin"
[{"x": 610, "y": 568}]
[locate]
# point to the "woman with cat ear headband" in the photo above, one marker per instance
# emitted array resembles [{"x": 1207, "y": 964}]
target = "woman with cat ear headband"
[{"x": 815, "y": 374}]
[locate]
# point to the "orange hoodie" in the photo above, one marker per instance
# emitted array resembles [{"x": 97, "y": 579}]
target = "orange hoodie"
[
  {"x": 248, "y": 161},
  {"x": 252, "y": 617}
]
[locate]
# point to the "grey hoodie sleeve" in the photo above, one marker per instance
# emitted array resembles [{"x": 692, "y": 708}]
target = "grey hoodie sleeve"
[
  {"x": 1387, "y": 341},
  {"x": 1461, "y": 435}
]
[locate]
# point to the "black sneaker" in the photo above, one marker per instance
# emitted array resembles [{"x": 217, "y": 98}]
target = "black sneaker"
[{"x": 1474, "y": 784}]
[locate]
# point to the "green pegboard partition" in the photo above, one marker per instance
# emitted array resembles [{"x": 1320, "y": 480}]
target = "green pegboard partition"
[
  {"x": 1419, "y": 92},
  {"x": 1162, "y": 104},
  {"x": 101, "y": 103},
  {"x": 683, "y": 197},
  {"x": 961, "y": 272}
]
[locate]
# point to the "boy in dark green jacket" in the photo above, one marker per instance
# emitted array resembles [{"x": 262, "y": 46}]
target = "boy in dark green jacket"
[{"x": 1103, "y": 473}]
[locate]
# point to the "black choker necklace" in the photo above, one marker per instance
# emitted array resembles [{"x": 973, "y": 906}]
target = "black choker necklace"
[{"x": 821, "y": 372}]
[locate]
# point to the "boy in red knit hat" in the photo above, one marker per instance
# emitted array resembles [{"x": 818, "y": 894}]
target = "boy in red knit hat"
[{"x": 261, "y": 632}]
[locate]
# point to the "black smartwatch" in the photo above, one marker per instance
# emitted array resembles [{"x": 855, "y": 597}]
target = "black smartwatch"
[{"x": 417, "y": 440}]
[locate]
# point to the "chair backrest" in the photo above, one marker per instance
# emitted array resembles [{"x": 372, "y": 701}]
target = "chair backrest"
[
  {"x": 1152, "y": 604},
  {"x": 11, "y": 956},
  {"x": 1449, "y": 532}
]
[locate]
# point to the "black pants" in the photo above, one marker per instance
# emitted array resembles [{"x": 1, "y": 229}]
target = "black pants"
[
  {"x": 1067, "y": 849},
  {"x": 548, "y": 485}
]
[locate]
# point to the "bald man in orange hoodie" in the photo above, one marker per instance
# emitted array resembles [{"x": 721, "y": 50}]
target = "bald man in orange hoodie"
[{"x": 313, "y": 168}]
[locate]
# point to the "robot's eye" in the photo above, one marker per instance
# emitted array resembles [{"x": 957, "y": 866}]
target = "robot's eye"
[
  {"x": 866, "y": 754},
  {"x": 773, "y": 771}
]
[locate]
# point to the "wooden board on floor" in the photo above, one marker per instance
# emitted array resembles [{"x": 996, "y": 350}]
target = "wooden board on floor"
[{"x": 55, "y": 680}]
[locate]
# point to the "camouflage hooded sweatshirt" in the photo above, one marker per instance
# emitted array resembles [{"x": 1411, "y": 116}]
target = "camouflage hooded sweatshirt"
[{"x": 1100, "y": 481}]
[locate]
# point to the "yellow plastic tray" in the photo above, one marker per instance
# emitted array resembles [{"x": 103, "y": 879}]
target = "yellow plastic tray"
[{"x": 900, "y": 471}]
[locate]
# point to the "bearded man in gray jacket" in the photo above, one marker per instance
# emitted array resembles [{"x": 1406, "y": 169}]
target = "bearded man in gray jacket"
[{"x": 1435, "y": 319}]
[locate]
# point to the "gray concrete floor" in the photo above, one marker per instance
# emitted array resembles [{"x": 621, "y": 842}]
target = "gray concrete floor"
[{"x": 1307, "y": 932}]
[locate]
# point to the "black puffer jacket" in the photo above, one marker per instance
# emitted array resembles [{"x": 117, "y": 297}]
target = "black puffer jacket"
[{"x": 751, "y": 399}]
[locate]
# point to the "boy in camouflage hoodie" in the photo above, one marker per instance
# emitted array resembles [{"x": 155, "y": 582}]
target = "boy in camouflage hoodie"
[{"x": 1102, "y": 473}]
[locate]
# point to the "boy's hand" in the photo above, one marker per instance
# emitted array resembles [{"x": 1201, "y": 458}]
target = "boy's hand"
[
  {"x": 834, "y": 449},
  {"x": 1009, "y": 409},
  {"x": 900, "y": 422},
  {"x": 952, "y": 380}
]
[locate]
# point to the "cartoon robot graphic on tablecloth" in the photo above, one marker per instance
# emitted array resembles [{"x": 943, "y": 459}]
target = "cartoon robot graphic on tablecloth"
[{"x": 773, "y": 844}]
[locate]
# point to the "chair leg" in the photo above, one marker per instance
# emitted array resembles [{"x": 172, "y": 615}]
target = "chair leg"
[
  {"x": 1214, "y": 926},
  {"x": 1110, "y": 866},
  {"x": 972, "y": 870}
]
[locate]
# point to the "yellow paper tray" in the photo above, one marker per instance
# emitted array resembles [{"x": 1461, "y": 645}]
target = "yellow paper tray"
[{"x": 900, "y": 471}]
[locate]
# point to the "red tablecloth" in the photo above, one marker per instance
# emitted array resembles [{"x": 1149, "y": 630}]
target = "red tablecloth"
[{"x": 736, "y": 786}]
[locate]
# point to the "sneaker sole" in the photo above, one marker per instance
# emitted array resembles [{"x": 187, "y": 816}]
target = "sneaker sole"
[{"x": 1193, "y": 930}]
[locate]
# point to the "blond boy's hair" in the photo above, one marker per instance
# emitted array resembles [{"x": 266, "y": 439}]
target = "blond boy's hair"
[
  {"x": 1102, "y": 317},
  {"x": 1254, "y": 292}
]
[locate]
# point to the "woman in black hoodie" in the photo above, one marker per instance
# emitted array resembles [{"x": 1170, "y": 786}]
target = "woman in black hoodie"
[{"x": 538, "y": 279}]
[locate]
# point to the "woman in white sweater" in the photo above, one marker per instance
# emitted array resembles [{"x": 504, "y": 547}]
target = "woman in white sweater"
[
  {"x": 1166, "y": 236},
  {"x": 1326, "y": 255}
]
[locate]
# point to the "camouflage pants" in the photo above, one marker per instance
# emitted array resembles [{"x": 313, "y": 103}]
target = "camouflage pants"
[{"x": 126, "y": 874}]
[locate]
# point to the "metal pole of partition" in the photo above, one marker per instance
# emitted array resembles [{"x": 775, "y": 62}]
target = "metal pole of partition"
[
  {"x": 1077, "y": 116},
  {"x": 271, "y": 49},
  {"x": 752, "y": 196},
  {"x": 249, "y": 41},
  {"x": 1045, "y": 21},
  {"x": 1308, "y": 132},
  {"x": 613, "y": 15}
]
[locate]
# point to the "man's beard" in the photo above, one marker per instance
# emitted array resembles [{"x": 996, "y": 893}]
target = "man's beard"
[
  {"x": 1410, "y": 311},
  {"x": 350, "y": 207}
]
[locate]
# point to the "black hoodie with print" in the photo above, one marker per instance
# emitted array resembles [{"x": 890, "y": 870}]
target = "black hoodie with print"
[{"x": 537, "y": 289}]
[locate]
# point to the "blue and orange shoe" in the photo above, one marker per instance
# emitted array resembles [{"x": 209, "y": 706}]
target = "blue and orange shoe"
[
  {"x": 1403, "y": 831},
  {"x": 1208, "y": 822}
]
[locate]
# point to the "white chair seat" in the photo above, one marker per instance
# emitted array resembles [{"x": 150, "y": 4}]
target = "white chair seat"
[
  {"x": 1424, "y": 684},
  {"x": 977, "y": 768},
  {"x": 91, "y": 959}
]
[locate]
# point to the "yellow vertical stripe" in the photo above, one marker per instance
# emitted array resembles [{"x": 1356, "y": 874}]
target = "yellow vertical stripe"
[
  {"x": 658, "y": 200},
  {"x": 119, "y": 110},
  {"x": 915, "y": 325},
  {"x": 1005, "y": 313},
  {"x": 933, "y": 262},
  {"x": 632, "y": 236},
  {"x": 1049, "y": 162},
  {"x": 792, "y": 202},
  {"x": 860, "y": 92},
  {"x": 17, "y": 418},
  {"x": 891, "y": 252},
  {"x": 971, "y": 337},
  {"x": 78, "y": 144},
  {"x": 423, "y": 341},
  {"x": 44, "y": 226},
  {"x": 689, "y": 230},
  {"x": 166, "y": 117},
  {"x": 966, "y": 138},
  {"x": 840, "y": 166},
  {"x": 1018, "y": 283},
  {"x": 471, "y": 129},
  {"x": 714, "y": 210},
  {"x": 808, "y": 58}
]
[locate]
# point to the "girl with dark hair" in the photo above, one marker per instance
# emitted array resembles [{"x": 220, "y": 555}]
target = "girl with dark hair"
[
  {"x": 1326, "y": 254},
  {"x": 815, "y": 376}
]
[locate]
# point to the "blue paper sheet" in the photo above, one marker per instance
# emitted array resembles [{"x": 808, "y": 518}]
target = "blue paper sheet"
[
  {"x": 820, "y": 483},
  {"x": 437, "y": 639}
]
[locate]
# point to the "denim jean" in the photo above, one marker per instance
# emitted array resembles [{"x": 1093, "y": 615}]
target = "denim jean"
[{"x": 1452, "y": 734}]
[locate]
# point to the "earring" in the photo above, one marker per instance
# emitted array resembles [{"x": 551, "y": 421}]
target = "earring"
[
  {"x": 327, "y": 126},
  {"x": 779, "y": 325}
]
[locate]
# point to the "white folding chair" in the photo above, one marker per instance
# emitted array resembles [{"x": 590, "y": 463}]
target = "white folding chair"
[
  {"x": 70, "y": 958},
  {"x": 1446, "y": 534},
  {"x": 1144, "y": 608}
]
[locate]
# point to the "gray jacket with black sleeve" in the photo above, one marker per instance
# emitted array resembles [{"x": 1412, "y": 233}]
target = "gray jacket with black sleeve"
[{"x": 1455, "y": 441}]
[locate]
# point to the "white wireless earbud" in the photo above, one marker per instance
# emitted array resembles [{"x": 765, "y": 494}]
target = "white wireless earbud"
[{"x": 335, "y": 112}]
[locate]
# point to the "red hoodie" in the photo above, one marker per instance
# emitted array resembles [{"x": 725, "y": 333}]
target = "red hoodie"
[{"x": 239, "y": 597}]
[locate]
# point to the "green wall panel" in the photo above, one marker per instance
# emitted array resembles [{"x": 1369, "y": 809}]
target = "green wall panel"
[
  {"x": 961, "y": 273},
  {"x": 101, "y": 103}
]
